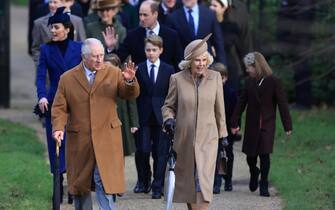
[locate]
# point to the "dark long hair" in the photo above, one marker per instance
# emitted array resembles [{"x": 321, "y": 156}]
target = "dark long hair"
[{"x": 69, "y": 25}]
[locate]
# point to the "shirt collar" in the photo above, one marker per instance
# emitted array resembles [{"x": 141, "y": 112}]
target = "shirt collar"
[
  {"x": 87, "y": 71},
  {"x": 157, "y": 63},
  {"x": 195, "y": 9},
  {"x": 155, "y": 29}
]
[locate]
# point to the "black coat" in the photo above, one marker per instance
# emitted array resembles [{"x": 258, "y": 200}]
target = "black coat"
[
  {"x": 161, "y": 13},
  {"x": 230, "y": 101},
  {"x": 261, "y": 102},
  {"x": 237, "y": 40},
  {"x": 207, "y": 24},
  {"x": 134, "y": 45},
  {"x": 34, "y": 13}
]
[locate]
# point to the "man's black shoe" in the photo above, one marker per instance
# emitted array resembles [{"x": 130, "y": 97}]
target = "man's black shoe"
[
  {"x": 156, "y": 195},
  {"x": 69, "y": 198},
  {"x": 228, "y": 185},
  {"x": 216, "y": 189},
  {"x": 147, "y": 188},
  {"x": 139, "y": 188},
  {"x": 253, "y": 184}
]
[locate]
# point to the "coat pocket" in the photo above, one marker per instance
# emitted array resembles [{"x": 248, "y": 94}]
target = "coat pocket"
[
  {"x": 116, "y": 123},
  {"x": 72, "y": 129}
]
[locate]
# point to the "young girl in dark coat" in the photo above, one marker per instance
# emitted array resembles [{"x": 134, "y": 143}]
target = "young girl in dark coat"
[{"x": 262, "y": 94}]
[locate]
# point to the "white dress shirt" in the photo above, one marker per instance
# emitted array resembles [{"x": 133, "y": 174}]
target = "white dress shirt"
[
  {"x": 155, "y": 30},
  {"x": 88, "y": 72},
  {"x": 195, "y": 15},
  {"x": 157, "y": 63}
]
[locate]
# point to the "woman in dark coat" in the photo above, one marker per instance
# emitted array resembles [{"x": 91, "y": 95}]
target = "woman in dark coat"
[
  {"x": 233, "y": 19},
  {"x": 262, "y": 94},
  {"x": 57, "y": 56}
]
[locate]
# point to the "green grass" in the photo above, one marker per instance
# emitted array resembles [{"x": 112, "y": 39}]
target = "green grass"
[
  {"x": 25, "y": 179},
  {"x": 20, "y": 2},
  {"x": 303, "y": 167}
]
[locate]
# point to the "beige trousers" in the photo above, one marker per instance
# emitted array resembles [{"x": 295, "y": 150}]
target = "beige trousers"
[{"x": 200, "y": 204}]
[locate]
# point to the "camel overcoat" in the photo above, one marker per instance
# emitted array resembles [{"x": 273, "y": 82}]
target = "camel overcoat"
[
  {"x": 261, "y": 100},
  {"x": 200, "y": 120},
  {"x": 92, "y": 126}
]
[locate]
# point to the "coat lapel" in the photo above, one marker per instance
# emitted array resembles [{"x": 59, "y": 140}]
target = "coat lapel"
[
  {"x": 69, "y": 55},
  {"x": 183, "y": 20},
  {"x": 145, "y": 76},
  {"x": 160, "y": 75},
  {"x": 254, "y": 83},
  {"x": 46, "y": 28},
  {"x": 202, "y": 16},
  {"x": 81, "y": 78},
  {"x": 100, "y": 75}
]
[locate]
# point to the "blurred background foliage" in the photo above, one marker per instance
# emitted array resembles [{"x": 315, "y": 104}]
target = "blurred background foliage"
[
  {"x": 20, "y": 2},
  {"x": 320, "y": 54}
]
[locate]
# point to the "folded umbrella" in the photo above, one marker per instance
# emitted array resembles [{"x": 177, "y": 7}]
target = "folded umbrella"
[
  {"x": 170, "y": 177},
  {"x": 56, "y": 188}
]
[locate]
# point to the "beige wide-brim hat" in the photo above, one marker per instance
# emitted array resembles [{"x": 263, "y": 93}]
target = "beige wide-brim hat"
[
  {"x": 196, "y": 48},
  {"x": 105, "y": 4}
]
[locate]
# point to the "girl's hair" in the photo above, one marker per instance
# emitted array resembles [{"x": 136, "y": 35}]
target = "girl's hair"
[
  {"x": 258, "y": 61},
  {"x": 113, "y": 59},
  {"x": 221, "y": 68}
]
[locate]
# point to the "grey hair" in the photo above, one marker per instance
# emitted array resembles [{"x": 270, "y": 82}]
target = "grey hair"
[
  {"x": 186, "y": 64},
  {"x": 86, "y": 47}
]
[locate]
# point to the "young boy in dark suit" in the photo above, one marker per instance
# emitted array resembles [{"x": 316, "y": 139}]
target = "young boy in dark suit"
[
  {"x": 230, "y": 98},
  {"x": 153, "y": 76}
]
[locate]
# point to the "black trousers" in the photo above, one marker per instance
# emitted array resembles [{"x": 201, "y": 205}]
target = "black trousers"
[
  {"x": 151, "y": 139},
  {"x": 264, "y": 165}
]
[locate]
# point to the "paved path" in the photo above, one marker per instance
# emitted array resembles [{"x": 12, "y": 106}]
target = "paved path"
[{"x": 23, "y": 98}]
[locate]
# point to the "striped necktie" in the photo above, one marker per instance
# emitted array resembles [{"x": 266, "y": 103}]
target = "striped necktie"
[{"x": 91, "y": 78}]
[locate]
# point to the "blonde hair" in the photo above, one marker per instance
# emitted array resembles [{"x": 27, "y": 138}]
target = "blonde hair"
[
  {"x": 154, "y": 40},
  {"x": 186, "y": 64},
  {"x": 221, "y": 68},
  {"x": 113, "y": 59},
  {"x": 262, "y": 67}
]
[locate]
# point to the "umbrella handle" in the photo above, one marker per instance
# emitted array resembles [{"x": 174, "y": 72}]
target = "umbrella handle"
[{"x": 57, "y": 150}]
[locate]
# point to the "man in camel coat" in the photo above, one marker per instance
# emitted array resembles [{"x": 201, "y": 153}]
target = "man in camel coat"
[{"x": 85, "y": 106}]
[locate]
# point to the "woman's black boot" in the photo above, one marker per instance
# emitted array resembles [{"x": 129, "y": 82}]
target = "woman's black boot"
[
  {"x": 264, "y": 188},
  {"x": 253, "y": 184}
]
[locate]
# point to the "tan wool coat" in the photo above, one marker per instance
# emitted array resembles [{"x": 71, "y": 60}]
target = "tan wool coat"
[
  {"x": 200, "y": 121},
  {"x": 93, "y": 129}
]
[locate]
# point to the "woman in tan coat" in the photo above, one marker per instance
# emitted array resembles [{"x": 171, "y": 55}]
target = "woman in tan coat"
[{"x": 195, "y": 105}]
